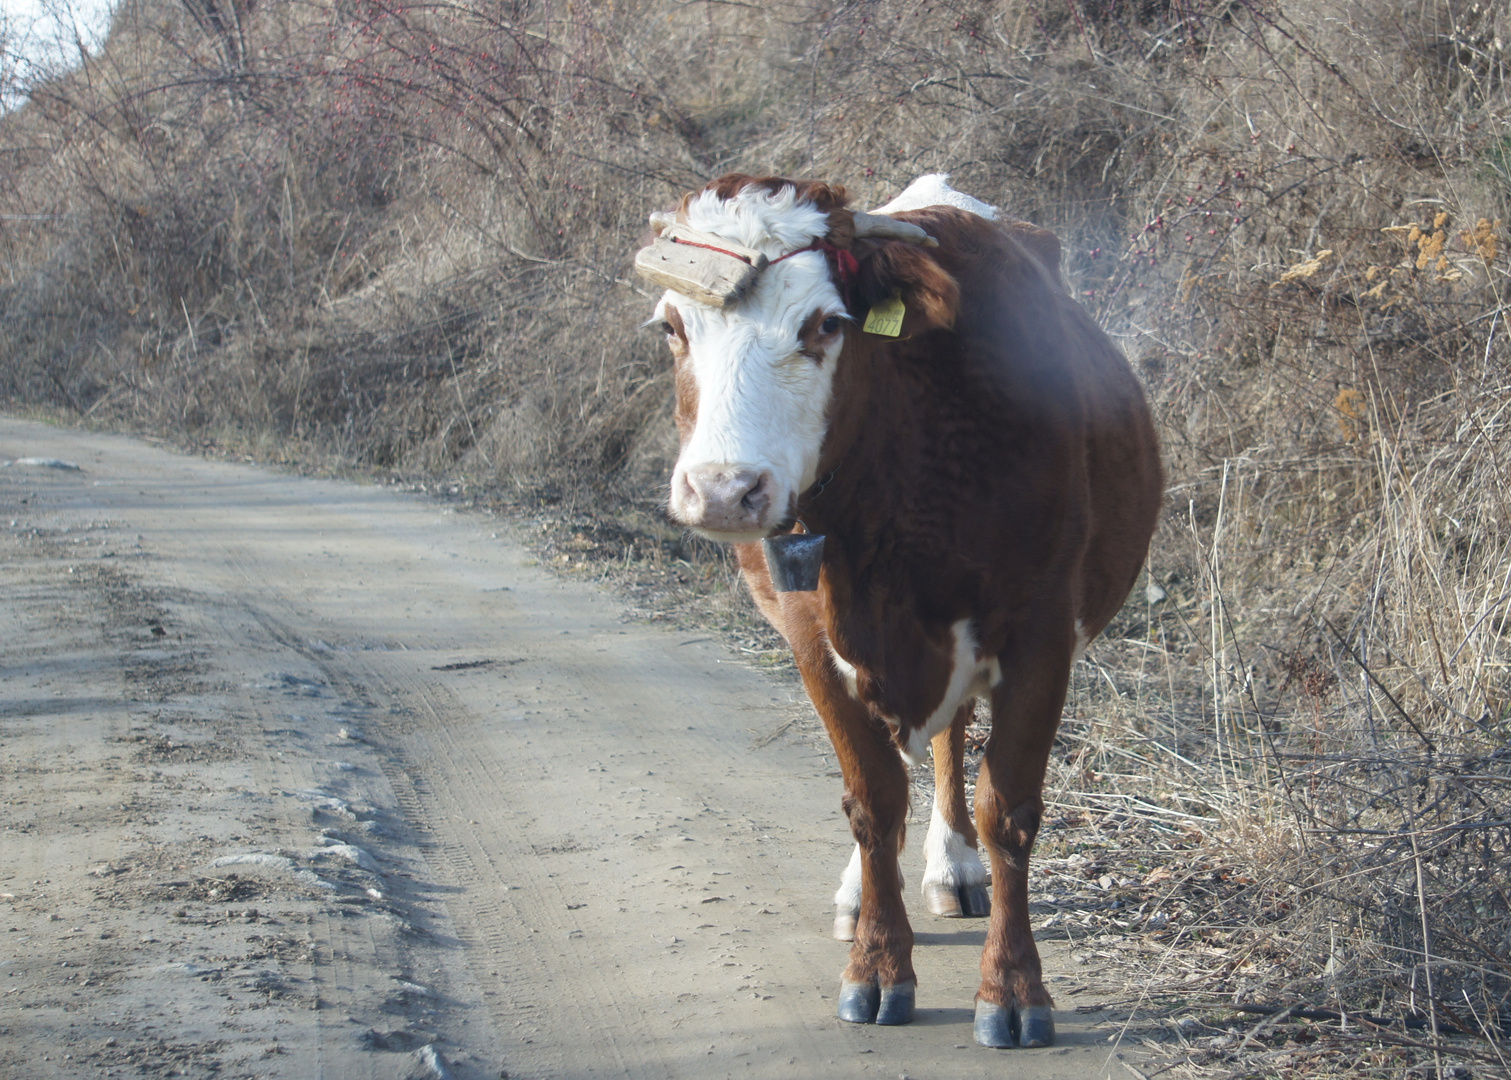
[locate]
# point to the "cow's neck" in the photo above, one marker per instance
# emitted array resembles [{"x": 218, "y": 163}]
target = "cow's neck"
[{"x": 866, "y": 497}]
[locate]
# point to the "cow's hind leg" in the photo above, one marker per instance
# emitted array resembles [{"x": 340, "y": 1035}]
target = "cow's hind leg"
[
  {"x": 847, "y": 897},
  {"x": 954, "y": 879},
  {"x": 1012, "y": 1007}
]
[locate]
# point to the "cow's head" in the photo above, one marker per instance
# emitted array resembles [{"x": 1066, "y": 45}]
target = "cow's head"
[{"x": 756, "y": 366}]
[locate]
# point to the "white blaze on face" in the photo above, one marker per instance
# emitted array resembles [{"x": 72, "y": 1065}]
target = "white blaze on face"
[{"x": 762, "y": 390}]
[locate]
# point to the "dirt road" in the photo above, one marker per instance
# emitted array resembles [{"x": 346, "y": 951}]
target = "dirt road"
[{"x": 310, "y": 779}]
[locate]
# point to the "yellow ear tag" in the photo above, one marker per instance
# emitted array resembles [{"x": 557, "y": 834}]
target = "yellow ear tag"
[{"x": 886, "y": 317}]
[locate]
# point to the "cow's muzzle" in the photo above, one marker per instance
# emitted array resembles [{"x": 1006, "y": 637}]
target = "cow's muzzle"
[{"x": 728, "y": 499}]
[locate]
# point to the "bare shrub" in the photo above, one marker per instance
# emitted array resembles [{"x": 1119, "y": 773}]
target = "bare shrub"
[{"x": 398, "y": 235}]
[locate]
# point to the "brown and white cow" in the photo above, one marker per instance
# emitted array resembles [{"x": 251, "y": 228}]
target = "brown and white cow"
[{"x": 987, "y": 481}]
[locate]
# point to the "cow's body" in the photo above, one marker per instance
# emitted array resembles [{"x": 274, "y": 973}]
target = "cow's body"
[{"x": 987, "y": 484}]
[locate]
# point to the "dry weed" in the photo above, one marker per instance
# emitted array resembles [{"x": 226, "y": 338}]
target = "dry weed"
[{"x": 397, "y": 237}]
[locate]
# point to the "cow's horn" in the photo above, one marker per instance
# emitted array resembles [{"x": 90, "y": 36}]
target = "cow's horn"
[{"x": 891, "y": 229}]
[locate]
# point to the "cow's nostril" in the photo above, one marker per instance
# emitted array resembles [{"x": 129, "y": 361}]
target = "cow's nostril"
[
  {"x": 756, "y": 497},
  {"x": 723, "y": 498}
]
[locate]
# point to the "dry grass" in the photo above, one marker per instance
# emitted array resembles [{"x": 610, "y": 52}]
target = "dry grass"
[{"x": 394, "y": 237}]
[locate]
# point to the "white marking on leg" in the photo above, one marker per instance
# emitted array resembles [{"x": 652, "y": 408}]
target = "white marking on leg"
[
  {"x": 847, "y": 899},
  {"x": 918, "y": 745},
  {"x": 966, "y": 670},
  {"x": 971, "y": 675},
  {"x": 1083, "y": 639},
  {"x": 949, "y": 860},
  {"x": 845, "y": 668}
]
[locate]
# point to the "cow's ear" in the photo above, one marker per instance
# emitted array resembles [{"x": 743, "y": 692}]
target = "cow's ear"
[{"x": 930, "y": 294}]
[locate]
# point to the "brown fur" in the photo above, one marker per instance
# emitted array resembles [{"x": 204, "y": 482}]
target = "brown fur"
[
  {"x": 997, "y": 463},
  {"x": 949, "y": 774}
]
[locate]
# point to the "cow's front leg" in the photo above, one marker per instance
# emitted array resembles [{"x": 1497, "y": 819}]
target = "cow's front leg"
[
  {"x": 1012, "y": 1007},
  {"x": 954, "y": 879},
  {"x": 878, "y": 984}
]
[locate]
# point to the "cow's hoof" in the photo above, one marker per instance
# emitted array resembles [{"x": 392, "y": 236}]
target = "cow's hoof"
[
  {"x": 859, "y": 1001},
  {"x": 994, "y": 1024},
  {"x": 844, "y": 926},
  {"x": 1036, "y": 1026},
  {"x": 897, "y": 1003},
  {"x": 869, "y": 1003},
  {"x": 957, "y": 901},
  {"x": 975, "y": 901},
  {"x": 1007, "y": 1025},
  {"x": 942, "y": 900}
]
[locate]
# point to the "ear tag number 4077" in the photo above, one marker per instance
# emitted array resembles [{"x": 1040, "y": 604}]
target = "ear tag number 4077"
[{"x": 885, "y": 318}]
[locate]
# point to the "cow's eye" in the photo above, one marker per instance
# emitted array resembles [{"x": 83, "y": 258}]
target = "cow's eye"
[
  {"x": 830, "y": 325},
  {"x": 666, "y": 328}
]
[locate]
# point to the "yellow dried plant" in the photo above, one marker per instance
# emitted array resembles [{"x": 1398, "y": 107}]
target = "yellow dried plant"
[
  {"x": 1351, "y": 416},
  {"x": 1430, "y": 247},
  {"x": 1304, "y": 269},
  {"x": 1484, "y": 239}
]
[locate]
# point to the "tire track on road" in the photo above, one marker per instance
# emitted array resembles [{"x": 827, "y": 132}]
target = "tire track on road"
[{"x": 605, "y": 876}]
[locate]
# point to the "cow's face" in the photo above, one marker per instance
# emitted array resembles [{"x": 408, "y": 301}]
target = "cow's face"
[{"x": 754, "y": 380}]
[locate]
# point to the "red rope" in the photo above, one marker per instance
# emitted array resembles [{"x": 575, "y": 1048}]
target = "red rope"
[
  {"x": 710, "y": 247},
  {"x": 845, "y": 262}
]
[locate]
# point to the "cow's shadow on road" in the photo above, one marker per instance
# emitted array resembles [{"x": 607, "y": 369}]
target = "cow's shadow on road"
[{"x": 972, "y": 934}]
